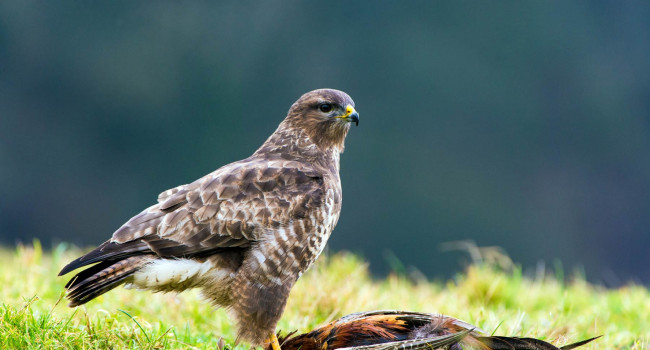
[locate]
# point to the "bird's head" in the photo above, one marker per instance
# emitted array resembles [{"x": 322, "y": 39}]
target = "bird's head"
[{"x": 325, "y": 115}]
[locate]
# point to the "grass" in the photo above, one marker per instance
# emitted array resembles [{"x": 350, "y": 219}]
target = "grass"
[{"x": 500, "y": 300}]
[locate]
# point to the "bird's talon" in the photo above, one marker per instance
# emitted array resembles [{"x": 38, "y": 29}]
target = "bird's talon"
[{"x": 273, "y": 340}]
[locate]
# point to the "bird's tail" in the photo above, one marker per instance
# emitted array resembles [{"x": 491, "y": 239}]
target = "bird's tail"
[
  {"x": 465, "y": 341},
  {"x": 514, "y": 343},
  {"x": 102, "y": 277}
]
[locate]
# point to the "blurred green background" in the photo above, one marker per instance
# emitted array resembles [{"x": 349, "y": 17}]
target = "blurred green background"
[{"x": 524, "y": 125}]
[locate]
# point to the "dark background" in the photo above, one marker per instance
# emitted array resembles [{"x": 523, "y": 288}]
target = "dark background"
[{"x": 524, "y": 125}]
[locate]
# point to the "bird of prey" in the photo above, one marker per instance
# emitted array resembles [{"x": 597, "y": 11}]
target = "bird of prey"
[
  {"x": 402, "y": 330},
  {"x": 244, "y": 233}
]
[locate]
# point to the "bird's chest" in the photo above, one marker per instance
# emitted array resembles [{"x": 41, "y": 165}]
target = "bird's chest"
[
  {"x": 331, "y": 210},
  {"x": 295, "y": 244},
  {"x": 304, "y": 239},
  {"x": 325, "y": 220}
]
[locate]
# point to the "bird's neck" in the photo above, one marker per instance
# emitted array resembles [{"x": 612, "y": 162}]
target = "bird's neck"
[{"x": 296, "y": 144}]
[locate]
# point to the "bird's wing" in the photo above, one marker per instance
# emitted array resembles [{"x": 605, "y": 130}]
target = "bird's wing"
[
  {"x": 430, "y": 343},
  {"x": 229, "y": 208},
  {"x": 416, "y": 318}
]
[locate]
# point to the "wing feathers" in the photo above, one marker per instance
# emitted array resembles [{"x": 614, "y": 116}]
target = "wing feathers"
[
  {"x": 514, "y": 343},
  {"x": 398, "y": 330},
  {"x": 173, "y": 201},
  {"x": 107, "y": 251},
  {"x": 206, "y": 213},
  {"x": 508, "y": 343},
  {"x": 439, "y": 342},
  {"x": 228, "y": 209},
  {"x": 166, "y": 248},
  {"x": 235, "y": 200}
]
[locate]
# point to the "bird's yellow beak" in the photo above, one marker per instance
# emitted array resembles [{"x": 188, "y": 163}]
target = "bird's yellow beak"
[{"x": 350, "y": 116}]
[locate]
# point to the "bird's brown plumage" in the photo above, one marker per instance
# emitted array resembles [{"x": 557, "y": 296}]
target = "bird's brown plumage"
[
  {"x": 245, "y": 232},
  {"x": 402, "y": 330}
]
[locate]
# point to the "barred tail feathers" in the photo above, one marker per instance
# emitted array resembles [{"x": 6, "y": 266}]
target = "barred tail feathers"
[{"x": 102, "y": 277}]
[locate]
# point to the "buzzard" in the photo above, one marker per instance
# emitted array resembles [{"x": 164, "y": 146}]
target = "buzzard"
[
  {"x": 403, "y": 330},
  {"x": 244, "y": 233}
]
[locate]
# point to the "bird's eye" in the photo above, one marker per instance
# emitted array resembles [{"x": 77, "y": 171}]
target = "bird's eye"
[{"x": 325, "y": 107}]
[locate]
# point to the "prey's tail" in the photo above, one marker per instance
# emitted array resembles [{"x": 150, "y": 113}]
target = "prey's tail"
[
  {"x": 463, "y": 340},
  {"x": 513, "y": 343},
  {"x": 102, "y": 277}
]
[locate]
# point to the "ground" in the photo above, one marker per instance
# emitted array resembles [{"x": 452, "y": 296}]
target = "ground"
[{"x": 499, "y": 300}]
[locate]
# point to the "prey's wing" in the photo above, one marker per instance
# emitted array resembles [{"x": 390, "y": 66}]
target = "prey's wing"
[
  {"x": 410, "y": 317},
  {"x": 431, "y": 343}
]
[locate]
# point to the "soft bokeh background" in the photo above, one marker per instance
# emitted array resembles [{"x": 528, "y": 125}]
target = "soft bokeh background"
[{"x": 524, "y": 125}]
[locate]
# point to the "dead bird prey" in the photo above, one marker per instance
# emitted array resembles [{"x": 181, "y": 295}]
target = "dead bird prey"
[
  {"x": 402, "y": 330},
  {"x": 243, "y": 233}
]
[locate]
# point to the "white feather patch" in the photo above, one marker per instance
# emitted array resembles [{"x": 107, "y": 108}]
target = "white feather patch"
[{"x": 171, "y": 274}]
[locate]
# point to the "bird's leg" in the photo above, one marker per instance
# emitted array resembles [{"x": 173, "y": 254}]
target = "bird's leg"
[{"x": 273, "y": 340}]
